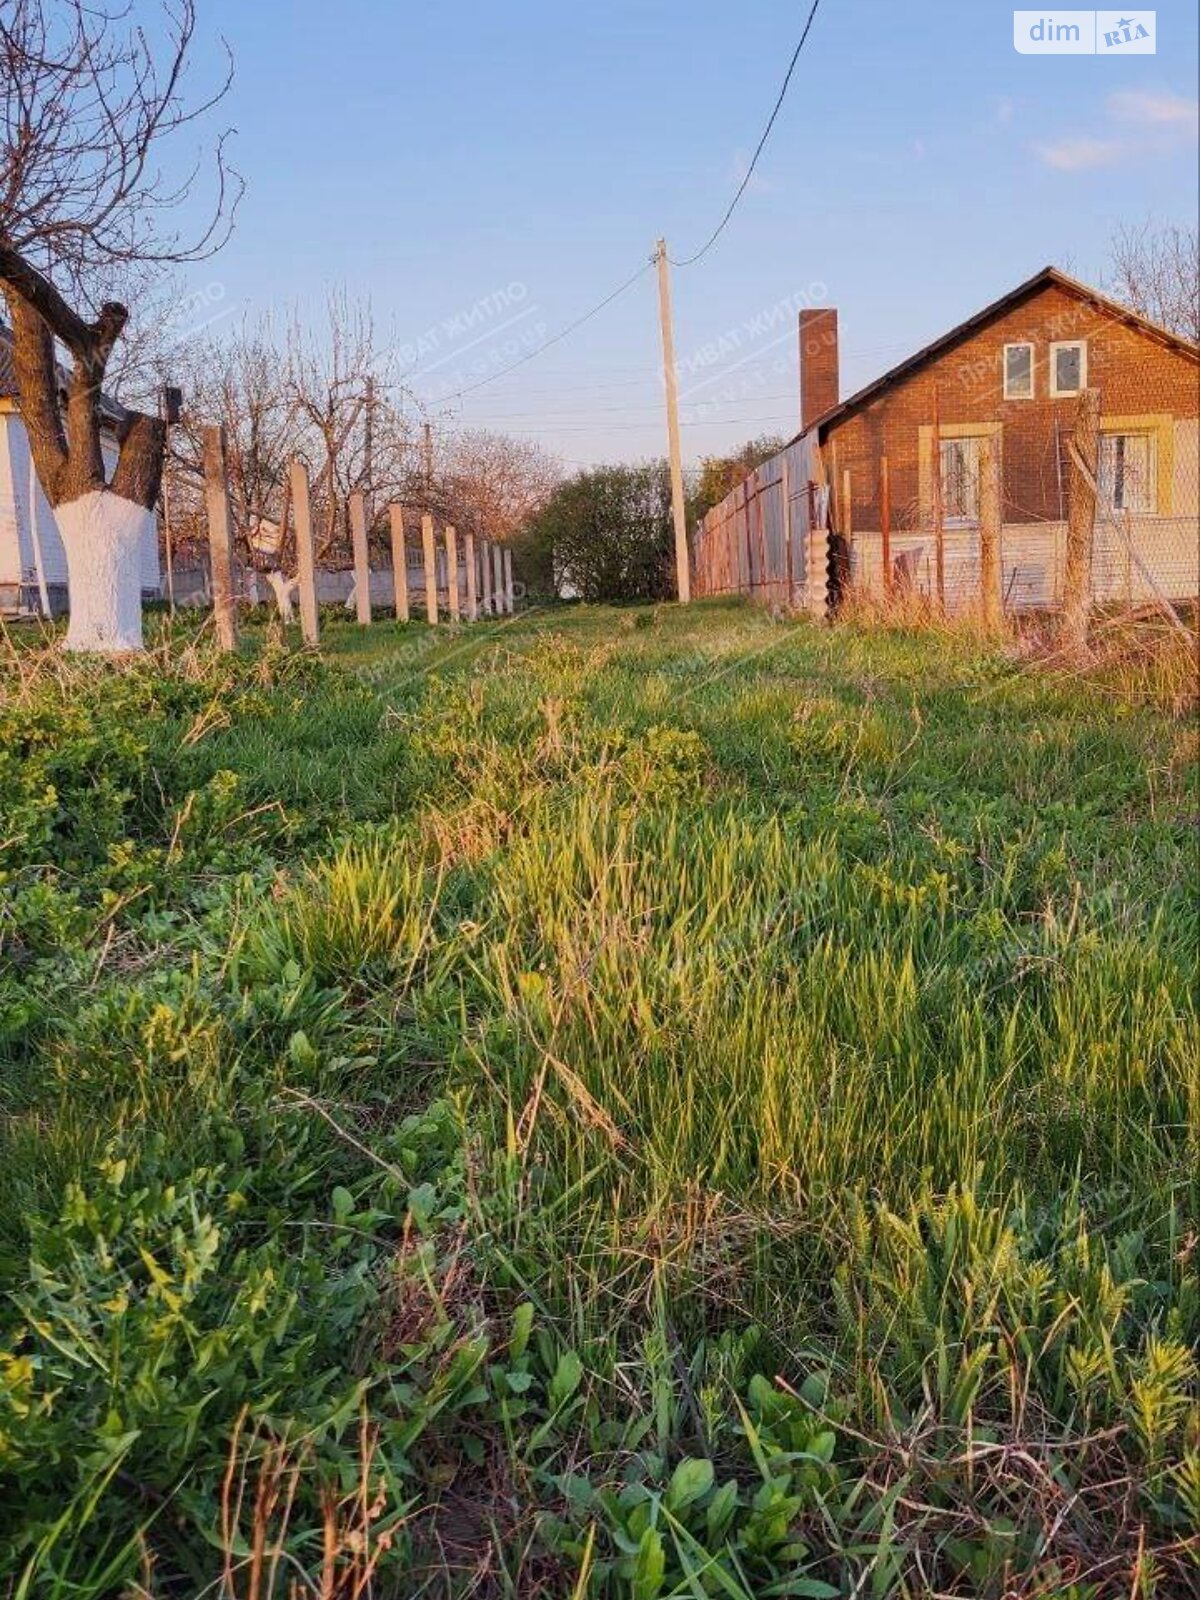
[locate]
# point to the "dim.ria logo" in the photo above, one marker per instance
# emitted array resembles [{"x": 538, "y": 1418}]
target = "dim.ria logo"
[
  {"x": 1115, "y": 31},
  {"x": 1090, "y": 33}
]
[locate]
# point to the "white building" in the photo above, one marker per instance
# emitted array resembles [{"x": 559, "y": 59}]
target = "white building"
[{"x": 33, "y": 563}]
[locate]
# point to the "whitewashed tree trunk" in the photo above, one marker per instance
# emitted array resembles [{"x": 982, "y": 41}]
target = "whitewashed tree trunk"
[
  {"x": 284, "y": 589},
  {"x": 102, "y": 534}
]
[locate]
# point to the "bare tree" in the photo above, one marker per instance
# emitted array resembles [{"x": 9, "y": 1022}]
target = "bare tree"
[
  {"x": 309, "y": 388},
  {"x": 241, "y": 381},
  {"x": 1156, "y": 270},
  {"x": 331, "y": 381},
  {"x": 90, "y": 99},
  {"x": 493, "y": 483}
]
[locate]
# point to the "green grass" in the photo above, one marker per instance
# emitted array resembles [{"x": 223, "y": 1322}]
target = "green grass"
[{"x": 672, "y": 1103}]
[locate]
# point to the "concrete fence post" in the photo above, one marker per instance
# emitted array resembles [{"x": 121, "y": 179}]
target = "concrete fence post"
[
  {"x": 362, "y": 567},
  {"x": 509, "y": 597},
  {"x": 306, "y": 564},
  {"x": 452, "y": 572},
  {"x": 399, "y": 562},
  {"x": 469, "y": 562},
  {"x": 429, "y": 555},
  {"x": 220, "y": 537},
  {"x": 498, "y": 580}
]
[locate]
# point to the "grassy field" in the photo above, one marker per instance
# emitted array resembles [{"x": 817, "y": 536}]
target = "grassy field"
[{"x": 620, "y": 1103}]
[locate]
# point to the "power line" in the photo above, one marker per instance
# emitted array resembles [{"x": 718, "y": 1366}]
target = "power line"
[
  {"x": 741, "y": 189},
  {"x": 595, "y": 411},
  {"x": 606, "y": 427},
  {"x": 555, "y": 338},
  {"x": 628, "y": 283}
]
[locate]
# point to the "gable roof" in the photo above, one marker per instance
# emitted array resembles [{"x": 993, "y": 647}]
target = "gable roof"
[
  {"x": 112, "y": 412},
  {"x": 1048, "y": 277}
]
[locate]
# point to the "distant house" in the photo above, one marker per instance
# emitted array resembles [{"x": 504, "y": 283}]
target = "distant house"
[
  {"x": 1006, "y": 379},
  {"x": 33, "y": 563}
]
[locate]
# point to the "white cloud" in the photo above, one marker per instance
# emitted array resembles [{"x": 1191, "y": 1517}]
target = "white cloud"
[
  {"x": 1004, "y": 109},
  {"x": 1152, "y": 122},
  {"x": 1080, "y": 154},
  {"x": 1154, "y": 108}
]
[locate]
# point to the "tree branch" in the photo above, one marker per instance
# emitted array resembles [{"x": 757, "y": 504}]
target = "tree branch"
[
  {"x": 139, "y": 467},
  {"x": 38, "y": 292},
  {"x": 37, "y": 385}
]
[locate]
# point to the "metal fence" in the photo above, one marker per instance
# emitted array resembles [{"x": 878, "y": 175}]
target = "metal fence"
[
  {"x": 971, "y": 538},
  {"x": 769, "y": 538}
]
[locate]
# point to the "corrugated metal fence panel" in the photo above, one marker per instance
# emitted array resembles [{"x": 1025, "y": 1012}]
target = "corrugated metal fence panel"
[{"x": 742, "y": 545}]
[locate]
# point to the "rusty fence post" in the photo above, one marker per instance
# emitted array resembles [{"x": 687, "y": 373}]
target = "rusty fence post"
[
  {"x": 1083, "y": 454},
  {"x": 991, "y": 582},
  {"x": 885, "y": 525}
]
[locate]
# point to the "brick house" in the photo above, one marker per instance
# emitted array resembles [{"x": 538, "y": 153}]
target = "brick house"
[{"x": 995, "y": 398}]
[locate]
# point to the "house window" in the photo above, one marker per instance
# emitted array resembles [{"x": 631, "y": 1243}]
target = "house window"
[
  {"x": 1127, "y": 472},
  {"x": 960, "y": 481},
  {"x": 1018, "y": 372},
  {"x": 1068, "y": 367}
]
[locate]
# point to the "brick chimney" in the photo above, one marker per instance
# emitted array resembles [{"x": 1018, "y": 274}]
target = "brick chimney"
[{"x": 818, "y": 362}]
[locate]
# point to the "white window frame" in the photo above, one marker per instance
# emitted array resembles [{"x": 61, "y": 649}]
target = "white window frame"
[
  {"x": 973, "y": 439},
  {"x": 1151, "y": 437},
  {"x": 1068, "y": 344},
  {"x": 1019, "y": 344}
]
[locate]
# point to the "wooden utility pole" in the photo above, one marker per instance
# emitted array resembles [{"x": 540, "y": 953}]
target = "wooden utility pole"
[
  {"x": 991, "y": 582},
  {"x": 306, "y": 565},
  {"x": 362, "y": 566},
  {"x": 430, "y": 561},
  {"x": 452, "y": 571},
  {"x": 469, "y": 562},
  {"x": 885, "y": 525},
  {"x": 399, "y": 561},
  {"x": 1083, "y": 453},
  {"x": 220, "y": 536},
  {"x": 683, "y": 575}
]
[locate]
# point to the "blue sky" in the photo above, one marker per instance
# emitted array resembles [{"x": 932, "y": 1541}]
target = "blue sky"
[{"x": 484, "y": 173}]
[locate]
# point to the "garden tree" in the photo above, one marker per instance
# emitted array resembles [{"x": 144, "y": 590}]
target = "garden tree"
[
  {"x": 307, "y": 392},
  {"x": 493, "y": 483},
  {"x": 241, "y": 381},
  {"x": 1156, "y": 270},
  {"x": 719, "y": 475},
  {"x": 90, "y": 98},
  {"x": 360, "y": 435},
  {"x": 606, "y": 534}
]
